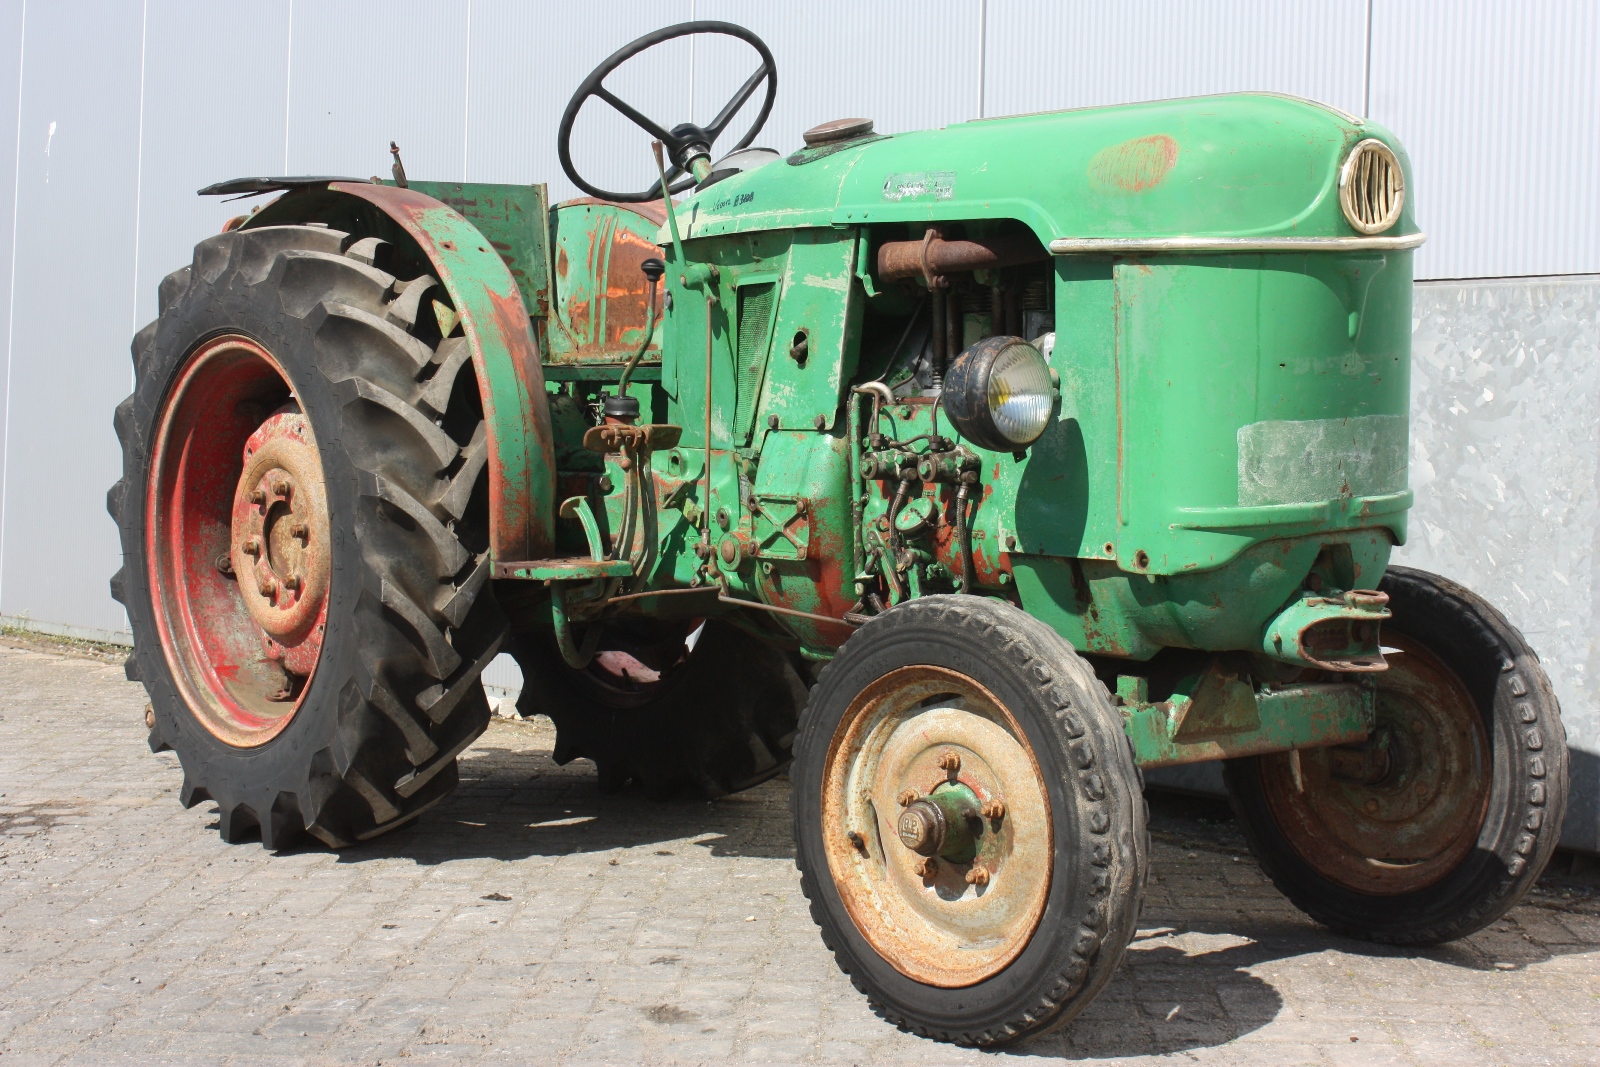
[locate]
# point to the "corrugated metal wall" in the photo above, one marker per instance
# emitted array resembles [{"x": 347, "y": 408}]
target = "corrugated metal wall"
[{"x": 122, "y": 109}]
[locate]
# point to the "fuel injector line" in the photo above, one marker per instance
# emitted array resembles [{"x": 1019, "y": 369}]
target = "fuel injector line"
[{"x": 964, "y": 538}]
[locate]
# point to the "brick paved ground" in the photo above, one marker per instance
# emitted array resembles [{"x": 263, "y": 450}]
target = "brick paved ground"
[{"x": 634, "y": 932}]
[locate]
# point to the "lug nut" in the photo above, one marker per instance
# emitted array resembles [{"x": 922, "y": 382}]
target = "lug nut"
[
  {"x": 978, "y": 876},
  {"x": 994, "y": 809},
  {"x": 250, "y": 547},
  {"x": 149, "y": 717},
  {"x": 292, "y": 582},
  {"x": 907, "y": 797},
  {"x": 928, "y": 867},
  {"x": 300, "y": 531},
  {"x": 950, "y": 762},
  {"x": 224, "y": 565},
  {"x": 268, "y": 586},
  {"x": 258, "y": 497}
]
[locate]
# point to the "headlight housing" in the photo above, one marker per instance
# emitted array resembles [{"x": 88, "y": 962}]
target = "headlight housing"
[{"x": 999, "y": 394}]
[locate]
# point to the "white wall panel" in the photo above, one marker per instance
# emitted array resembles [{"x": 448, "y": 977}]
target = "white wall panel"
[
  {"x": 527, "y": 61},
  {"x": 1498, "y": 105},
  {"x": 74, "y": 307},
  {"x": 1044, "y": 55},
  {"x": 215, "y": 78},
  {"x": 11, "y": 13},
  {"x": 363, "y": 73}
]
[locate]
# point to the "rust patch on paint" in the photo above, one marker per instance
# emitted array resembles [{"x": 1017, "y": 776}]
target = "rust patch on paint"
[{"x": 1133, "y": 166}]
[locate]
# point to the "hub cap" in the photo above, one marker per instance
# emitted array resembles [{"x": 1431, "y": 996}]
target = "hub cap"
[
  {"x": 237, "y": 541},
  {"x": 1398, "y": 813},
  {"x": 937, "y": 826}
]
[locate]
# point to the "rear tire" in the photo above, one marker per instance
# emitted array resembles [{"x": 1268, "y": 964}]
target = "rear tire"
[
  {"x": 393, "y": 695},
  {"x": 720, "y": 719},
  {"x": 1386, "y": 860}
]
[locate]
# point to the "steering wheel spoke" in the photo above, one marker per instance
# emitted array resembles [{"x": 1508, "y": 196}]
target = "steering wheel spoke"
[
  {"x": 678, "y": 179},
  {"x": 737, "y": 101},
  {"x": 632, "y": 114}
]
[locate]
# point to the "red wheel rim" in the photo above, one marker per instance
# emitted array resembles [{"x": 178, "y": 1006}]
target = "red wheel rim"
[{"x": 237, "y": 541}]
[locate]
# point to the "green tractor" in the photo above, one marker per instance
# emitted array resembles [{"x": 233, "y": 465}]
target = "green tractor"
[{"x": 963, "y": 473}]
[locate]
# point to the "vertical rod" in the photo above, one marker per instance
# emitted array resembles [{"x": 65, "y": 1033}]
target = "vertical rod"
[
  {"x": 936, "y": 332},
  {"x": 997, "y": 311},
  {"x": 705, "y": 512}
]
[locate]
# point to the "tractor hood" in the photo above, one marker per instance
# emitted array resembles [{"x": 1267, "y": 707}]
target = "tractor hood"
[{"x": 1240, "y": 165}]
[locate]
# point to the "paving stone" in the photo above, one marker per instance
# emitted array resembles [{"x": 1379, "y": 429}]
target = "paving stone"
[{"x": 611, "y": 952}]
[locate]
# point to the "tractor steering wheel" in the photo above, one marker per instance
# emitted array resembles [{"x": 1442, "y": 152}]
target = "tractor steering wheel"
[{"x": 686, "y": 144}]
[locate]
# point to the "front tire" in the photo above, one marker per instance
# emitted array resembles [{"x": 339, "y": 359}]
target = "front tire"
[
  {"x": 303, "y": 514},
  {"x": 968, "y": 818},
  {"x": 1443, "y": 820}
]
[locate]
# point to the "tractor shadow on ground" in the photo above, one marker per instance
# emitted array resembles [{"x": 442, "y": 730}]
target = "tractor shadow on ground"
[{"x": 1185, "y": 984}]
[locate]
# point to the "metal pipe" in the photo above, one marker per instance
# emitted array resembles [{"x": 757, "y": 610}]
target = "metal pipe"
[
  {"x": 937, "y": 333},
  {"x": 705, "y": 511},
  {"x": 907, "y": 259},
  {"x": 784, "y": 611}
]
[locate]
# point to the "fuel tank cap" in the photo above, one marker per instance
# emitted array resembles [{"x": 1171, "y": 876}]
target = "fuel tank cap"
[{"x": 837, "y": 130}]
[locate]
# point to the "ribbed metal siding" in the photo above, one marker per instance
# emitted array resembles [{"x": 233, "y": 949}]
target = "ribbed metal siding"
[
  {"x": 1499, "y": 107},
  {"x": 74, "y": 309},
  {"x": 1044, "y": 55}
]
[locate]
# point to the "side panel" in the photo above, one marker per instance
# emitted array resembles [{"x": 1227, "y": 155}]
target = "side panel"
[
  {"x": 599, "y": 305},
  {"x": 513, "y": 218}
]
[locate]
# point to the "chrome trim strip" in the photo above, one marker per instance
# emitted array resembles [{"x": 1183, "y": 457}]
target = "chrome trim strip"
[{"x": 1123, "y": 246}]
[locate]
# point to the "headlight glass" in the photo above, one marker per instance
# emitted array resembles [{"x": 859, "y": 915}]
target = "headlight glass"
[
  {"x": 999, "y": 394},
  {"x": 1020, "y": 394}
]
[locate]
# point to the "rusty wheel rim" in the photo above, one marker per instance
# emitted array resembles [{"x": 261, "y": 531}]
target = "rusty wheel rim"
[
  {"x": 1400, "y": 812},
  {"x": 237, "y": 541},
  {"x": 938, "y": 734}
]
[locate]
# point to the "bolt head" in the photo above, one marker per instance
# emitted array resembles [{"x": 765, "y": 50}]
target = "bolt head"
[
  {"x": 994, "y": 809},
  {"x": 149, "y": 717},
  {"x": 950, "y": 762},
  {"x": 268, "y": 586},
  {"x": 258, "y": 497},
  {"x": 224, "y": 564},
  {"x": 250, "y": 547},
  {"x": 292, "y": 582},
  {"x": 821, "y": 423},
  {"x": 978, "y": 875},
  {"x": 300, "y": 531},
  {"x": 908, "y": 796},
  {"x": 929, "y": 867}
]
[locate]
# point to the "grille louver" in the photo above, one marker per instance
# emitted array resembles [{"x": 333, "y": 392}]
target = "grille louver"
[{"x": 1372, "y": 188}]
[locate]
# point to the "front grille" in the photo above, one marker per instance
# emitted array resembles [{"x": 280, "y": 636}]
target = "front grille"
[{"x": 1372, "y": 188}]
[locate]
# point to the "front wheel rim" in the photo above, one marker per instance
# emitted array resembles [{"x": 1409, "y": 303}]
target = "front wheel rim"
[
  {"x": 237, "y": 541},
  {"x": 927, "y": 764}
]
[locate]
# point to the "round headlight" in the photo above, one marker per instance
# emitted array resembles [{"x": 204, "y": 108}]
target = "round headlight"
[{"x": 999, "y": 394}]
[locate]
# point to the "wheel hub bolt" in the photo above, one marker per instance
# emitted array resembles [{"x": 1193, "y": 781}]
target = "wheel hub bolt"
[
  {"x": 950, "y": 762},
  {"x": 922, "y": 827},
  {"x": 281, "y": 488},
  {"x": 300, "y": 531},
  {"x": 292, "y": 582},
  {"x": 978, "y": 875},
  {"x": 858, "y": 841},
  {"x": 907, "y": 797},
  {"x": 928, "y": 867},
  {"x": 994, "y": 809},
  {"x": 269, "y": 586},
  {"x": 258, "y": 497},
  {"x": 250, "y": 547}
]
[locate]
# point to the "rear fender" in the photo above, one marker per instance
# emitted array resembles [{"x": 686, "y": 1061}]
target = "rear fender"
[{"x": 500, "y": 335}]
